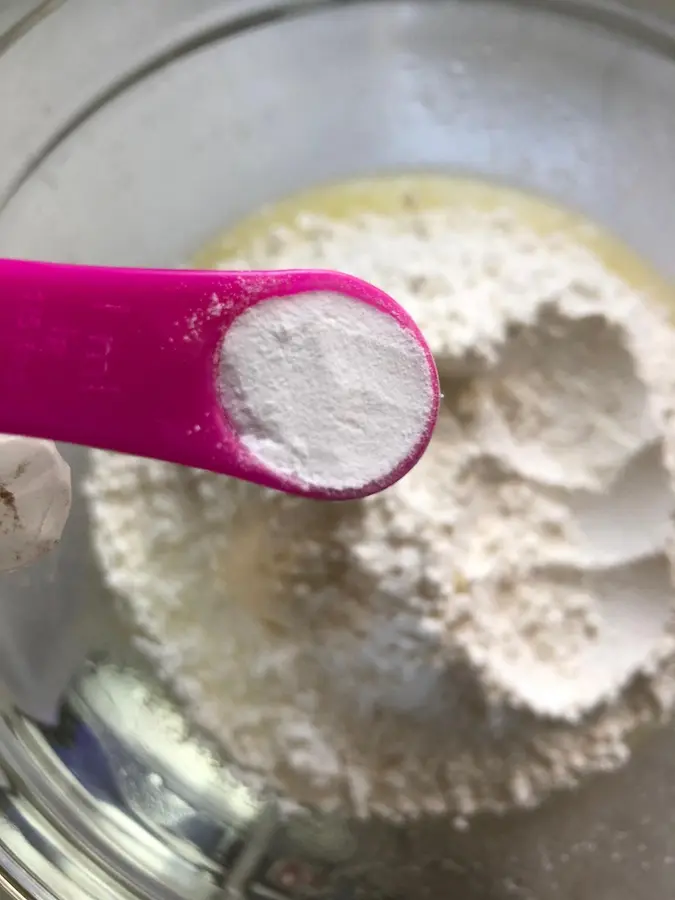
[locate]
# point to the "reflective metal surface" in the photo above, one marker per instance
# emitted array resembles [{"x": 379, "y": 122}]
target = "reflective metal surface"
[{"x": 173, "y": 121}]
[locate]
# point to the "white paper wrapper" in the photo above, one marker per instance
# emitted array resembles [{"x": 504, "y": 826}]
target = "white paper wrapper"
[
  {"x": 35, "y": 498},
  {"x": 39, "y": 637}
]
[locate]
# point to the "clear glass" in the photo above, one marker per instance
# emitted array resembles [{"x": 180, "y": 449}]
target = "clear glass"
[{"x": 239, "y": 104}]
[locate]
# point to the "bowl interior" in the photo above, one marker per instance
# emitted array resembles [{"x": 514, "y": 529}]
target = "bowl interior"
[
  {"x": 547, "y": 99},
  {"x": 577, "y": 106}
]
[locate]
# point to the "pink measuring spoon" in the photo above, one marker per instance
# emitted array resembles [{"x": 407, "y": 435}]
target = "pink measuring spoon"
[{"x": 126, "y": 360}]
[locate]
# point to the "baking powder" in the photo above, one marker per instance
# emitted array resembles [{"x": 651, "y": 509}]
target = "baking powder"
[{"x": 325, "y": 389}]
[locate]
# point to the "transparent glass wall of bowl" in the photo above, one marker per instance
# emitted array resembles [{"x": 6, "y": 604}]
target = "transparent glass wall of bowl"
[{"x": 172, "y": 121}]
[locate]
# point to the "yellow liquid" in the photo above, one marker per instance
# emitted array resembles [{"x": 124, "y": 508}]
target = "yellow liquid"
[{"x": 393, "y": 195}]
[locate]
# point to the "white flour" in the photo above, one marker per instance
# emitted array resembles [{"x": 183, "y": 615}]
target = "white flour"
[
  {"x": 325, "y": 389},
  {"x": 472, "y": 638}
]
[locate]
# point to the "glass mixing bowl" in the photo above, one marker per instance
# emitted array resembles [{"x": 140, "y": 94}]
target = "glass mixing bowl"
[{"x": 167, "y": 122}]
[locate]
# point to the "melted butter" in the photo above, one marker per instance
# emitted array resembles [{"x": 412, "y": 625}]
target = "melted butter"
[{"x": 393, "y": 195}]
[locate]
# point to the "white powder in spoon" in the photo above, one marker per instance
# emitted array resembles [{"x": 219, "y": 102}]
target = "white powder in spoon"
[
  {"x": 326, "y": 390},
  {"x": 499, "y": 623}
]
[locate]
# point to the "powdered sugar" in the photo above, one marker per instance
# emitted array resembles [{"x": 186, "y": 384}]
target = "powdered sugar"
[{"x": 469, "y": 639}]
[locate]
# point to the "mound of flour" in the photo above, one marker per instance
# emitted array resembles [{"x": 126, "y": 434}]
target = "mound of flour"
[{"x": 495, "y": 626}]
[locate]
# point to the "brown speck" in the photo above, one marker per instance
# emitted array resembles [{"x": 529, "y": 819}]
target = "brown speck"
[
  {"x": 554, "y": 529},
  {"x": 7, "y": 498},
  {"x": 417, "y": 283},
  {"x": 419, "y": 228},
  {"x": 20, "y": 469},
  {"x": 278, "y": 629},
  {"x": 459, "y": 395},
  {"x": 460, "y": 583},
  {"x": 513, "y": 331},
  {"x": 409, "y": 201}
]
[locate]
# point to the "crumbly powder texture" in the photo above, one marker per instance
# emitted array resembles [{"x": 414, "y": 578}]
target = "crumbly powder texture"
[
  {"x": 326, "y": 390},
  {"x": 497, "y": 625}
]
